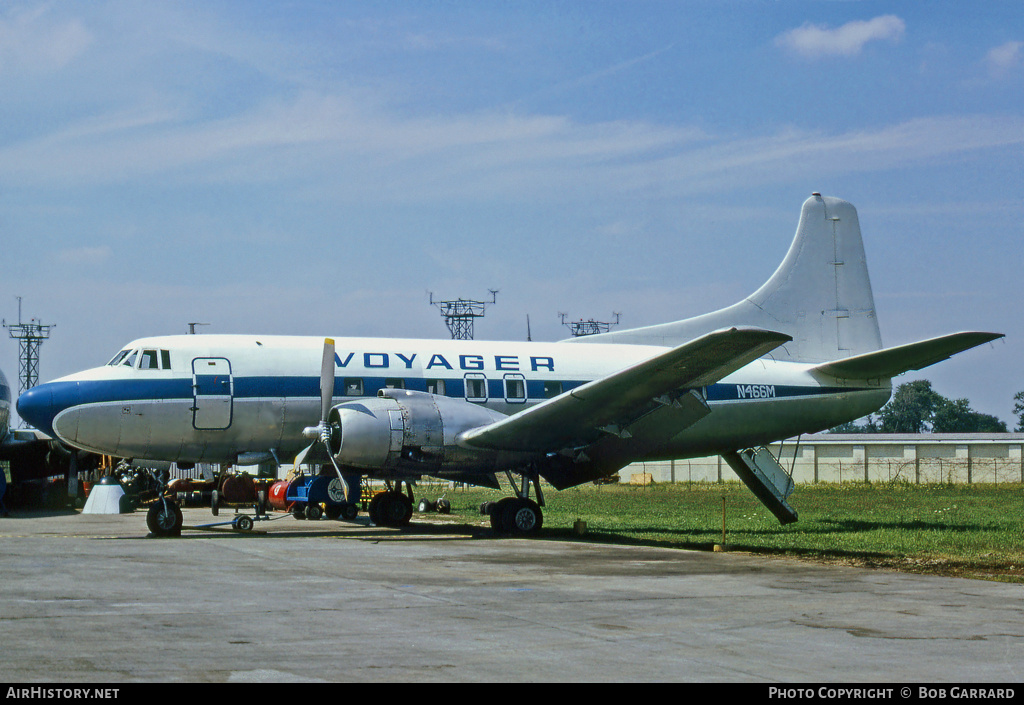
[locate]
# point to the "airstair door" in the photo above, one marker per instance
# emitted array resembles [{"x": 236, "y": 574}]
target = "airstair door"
[
  {"x": 213, "y": 389},
  {"x": 768, "y": 480}
]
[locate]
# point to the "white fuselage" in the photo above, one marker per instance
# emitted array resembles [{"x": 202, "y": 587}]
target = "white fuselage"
[{"x": 245, "y": 398}]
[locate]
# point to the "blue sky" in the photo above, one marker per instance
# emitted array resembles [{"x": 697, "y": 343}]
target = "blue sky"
[{"x": 318, "y": 167}]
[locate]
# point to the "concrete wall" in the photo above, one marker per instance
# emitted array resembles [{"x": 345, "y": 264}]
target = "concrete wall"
[{"x": 875, "y": 457}]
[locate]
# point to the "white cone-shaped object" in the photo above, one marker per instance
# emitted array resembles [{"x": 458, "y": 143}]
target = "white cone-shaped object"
[{"x": 105, "y": 497}]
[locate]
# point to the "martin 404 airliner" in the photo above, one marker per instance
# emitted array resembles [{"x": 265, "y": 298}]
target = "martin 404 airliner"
[{"x": 801, "y": 354}]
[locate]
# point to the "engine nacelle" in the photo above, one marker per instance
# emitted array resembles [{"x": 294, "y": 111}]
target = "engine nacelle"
[{"x": 406, "y": 431}]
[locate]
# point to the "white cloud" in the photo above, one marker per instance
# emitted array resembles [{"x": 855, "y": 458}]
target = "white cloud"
[
  {"x": 1005, "y": 56},
  {"x": 813, "y": 41},
  {"x": 85, "y": 256},
  {"x": 32, "y": 42}
]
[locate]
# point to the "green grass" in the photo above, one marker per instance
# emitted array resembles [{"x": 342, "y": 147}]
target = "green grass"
[{"x": 974, "y": 531}]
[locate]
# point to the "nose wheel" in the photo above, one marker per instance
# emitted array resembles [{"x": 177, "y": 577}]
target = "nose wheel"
[{"x": 164, "y": 518}]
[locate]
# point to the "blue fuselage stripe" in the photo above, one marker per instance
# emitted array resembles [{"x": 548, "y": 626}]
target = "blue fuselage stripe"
[{"x": 65, "y": 395}]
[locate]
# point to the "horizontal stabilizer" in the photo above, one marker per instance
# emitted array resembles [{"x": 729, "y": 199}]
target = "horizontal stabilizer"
[{"x": 903, "y": 358}]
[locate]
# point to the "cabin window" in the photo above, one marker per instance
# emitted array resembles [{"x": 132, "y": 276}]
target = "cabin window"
[
  {"x": 515, "y": 388},
  {"x": 353, "y": 386},
  {"x": 476, "y": 387},
  {"x": 435, "y": 386},
  {"x": 552, "y": 389},
  {"x": 394, "y": 383}
]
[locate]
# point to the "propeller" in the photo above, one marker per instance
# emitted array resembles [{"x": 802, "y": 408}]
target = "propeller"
[{"x": 321, "y": 433}]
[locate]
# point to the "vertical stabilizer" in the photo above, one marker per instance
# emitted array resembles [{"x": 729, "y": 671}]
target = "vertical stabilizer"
[{"x": 820, "y": 295}]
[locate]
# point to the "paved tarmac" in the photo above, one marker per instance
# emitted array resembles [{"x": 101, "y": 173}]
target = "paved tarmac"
[{"x": 88, "y": 598}]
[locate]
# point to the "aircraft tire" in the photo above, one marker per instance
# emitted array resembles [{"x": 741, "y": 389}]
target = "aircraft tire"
[
  {"x": 374, "y": 509},
  {"x": 524, "y": 517},
  {"x": 501, "y": 518},
  {"x": 399, "y": 510},
  {"x": 164, "y": 519},
  {"x": 392, "y": 509}
]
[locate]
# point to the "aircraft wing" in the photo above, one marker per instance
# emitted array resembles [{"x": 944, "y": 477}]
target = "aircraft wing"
[
  {"x": 890, "y": 362},
  {"x": 614, "y": 404}
]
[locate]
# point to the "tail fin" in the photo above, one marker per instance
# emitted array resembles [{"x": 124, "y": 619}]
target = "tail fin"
[{"x": 820, "y": 295}]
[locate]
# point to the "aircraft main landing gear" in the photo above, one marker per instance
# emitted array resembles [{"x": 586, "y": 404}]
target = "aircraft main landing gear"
[
  {"x": 392, "y": 508},
  {"x": 519, "y": 515}
]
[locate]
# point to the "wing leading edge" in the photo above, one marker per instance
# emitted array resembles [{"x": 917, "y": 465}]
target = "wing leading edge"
[{"x": 616, "y": 405}]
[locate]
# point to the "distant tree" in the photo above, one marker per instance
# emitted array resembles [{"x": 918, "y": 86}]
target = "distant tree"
[
  {"x": 917, "y": 408},
  {"x": 869, "y": 426},
  {"x": 1018, "y": 410},
  {"x": 911, "y": 408},
  {"x": 956, "y": 416}
]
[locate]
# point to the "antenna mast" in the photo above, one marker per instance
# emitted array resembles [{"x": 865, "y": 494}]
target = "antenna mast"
[
  {"x": 581, "y": 328},
  {"x": 30, "y": 337},
  {"x": 459, "y": 314}
]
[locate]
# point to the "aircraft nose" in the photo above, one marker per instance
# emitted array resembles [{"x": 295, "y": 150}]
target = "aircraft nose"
[{"x": 38, "y": 406}]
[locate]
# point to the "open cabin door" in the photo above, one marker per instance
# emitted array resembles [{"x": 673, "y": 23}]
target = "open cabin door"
[{"x": 212, "y": 387}]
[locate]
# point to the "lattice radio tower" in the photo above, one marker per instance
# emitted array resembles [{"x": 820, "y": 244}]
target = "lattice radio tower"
[
  {"x": 30, "y": 337},
  {"x": 581, "y": 328},
  {"x": 459, "y": 314}
]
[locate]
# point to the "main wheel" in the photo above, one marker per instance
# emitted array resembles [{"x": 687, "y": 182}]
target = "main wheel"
[
  {"x": 374, "y": 508},
  {"x": 391, "y": 509},
  {"x": 164, "y": 518},
  {"x": 500, "y": 515},
  {"x": 524, "y": 517}
]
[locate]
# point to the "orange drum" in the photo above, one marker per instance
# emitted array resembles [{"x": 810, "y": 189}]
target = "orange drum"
[{"x": 278, "y": 493}]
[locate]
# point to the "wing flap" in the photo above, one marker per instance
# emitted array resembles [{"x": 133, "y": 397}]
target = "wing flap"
[
  {"x": 610, "y": 405},
  {"x": 903, "y": 358}
]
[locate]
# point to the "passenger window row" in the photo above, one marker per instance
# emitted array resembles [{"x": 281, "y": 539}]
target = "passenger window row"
[{"x": 474, "y": 387}]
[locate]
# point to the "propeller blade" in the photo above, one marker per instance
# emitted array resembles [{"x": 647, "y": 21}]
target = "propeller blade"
[
  {"x": 327, "y": 381},
  {"x": 301, "y": 457},
  {"x": 344, "y": 485},
  {"x": 322, "y": 431}
]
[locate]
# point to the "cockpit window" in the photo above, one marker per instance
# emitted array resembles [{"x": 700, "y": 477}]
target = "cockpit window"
[
  {"x": 117, "y": 358},
  {"x": 143, "y": 359},
  {"x": 149, "y": 360}
]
